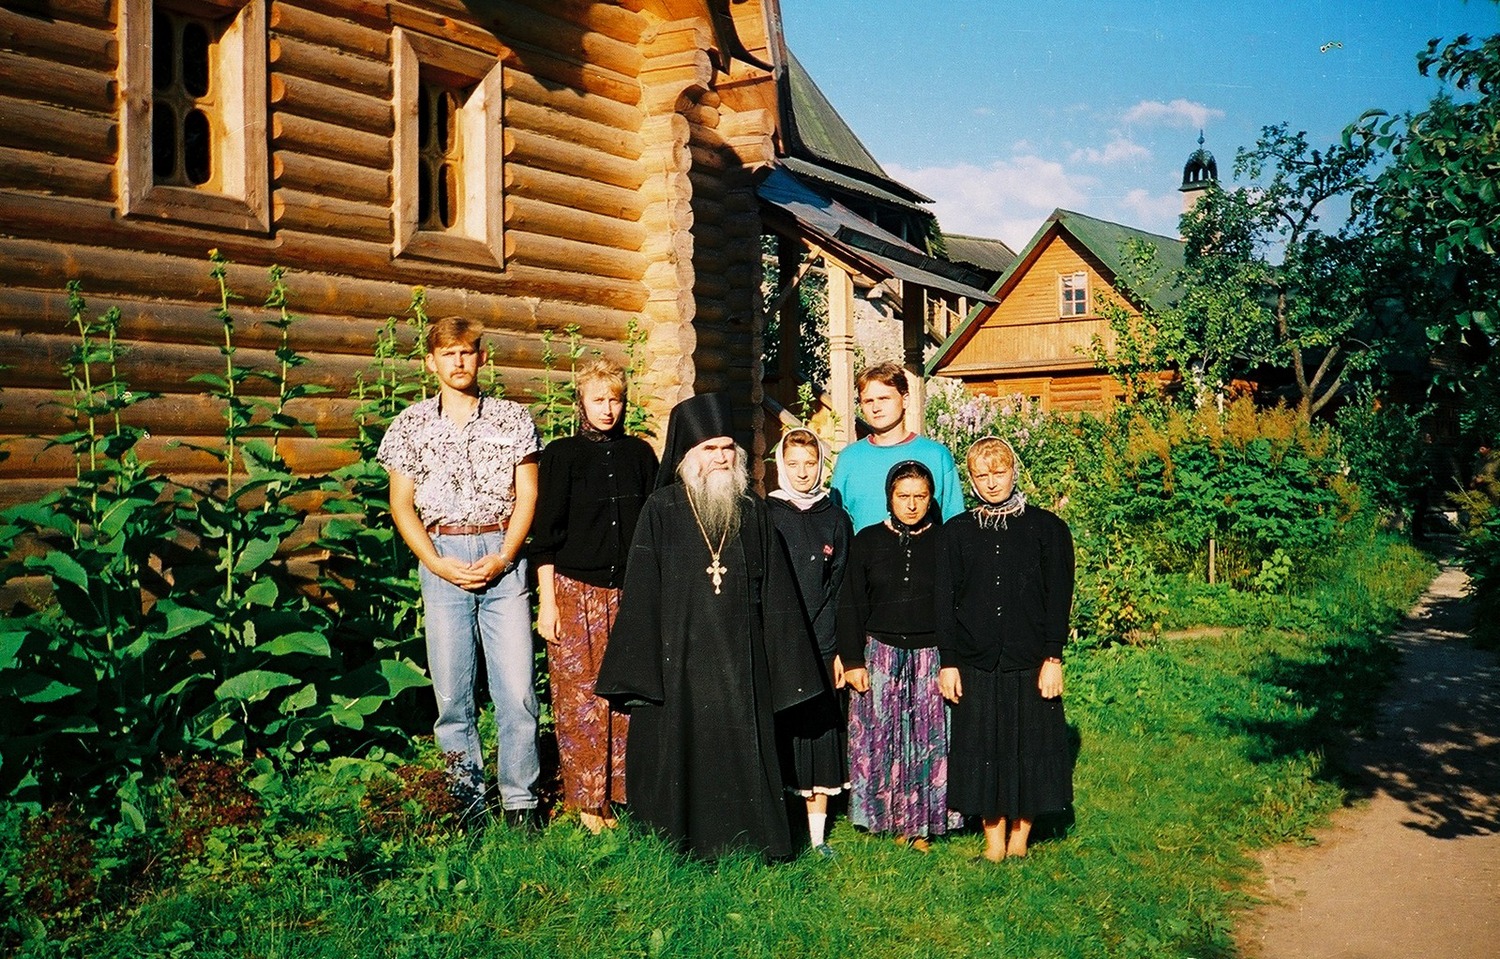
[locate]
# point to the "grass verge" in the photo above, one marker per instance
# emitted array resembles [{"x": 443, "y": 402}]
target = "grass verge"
[{"x": 1190, "y": 753}]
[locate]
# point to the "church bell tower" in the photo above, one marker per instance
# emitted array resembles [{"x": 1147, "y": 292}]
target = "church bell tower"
[{"x": 1199, "y": 173}]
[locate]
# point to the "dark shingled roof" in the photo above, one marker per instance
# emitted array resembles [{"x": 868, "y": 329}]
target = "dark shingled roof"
[
  {"x": 815, "y": 132},
  {"x": 832, "y": 222},
  {"x": 991, "y": 256},
  {"x": 1103, "y": 239}
]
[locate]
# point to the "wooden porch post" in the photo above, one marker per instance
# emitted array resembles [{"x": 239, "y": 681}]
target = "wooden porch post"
[
  {"x": 841, "y": 349},
  {"x": 788, "y": 257},
  {"x": 913, "y": 337}
]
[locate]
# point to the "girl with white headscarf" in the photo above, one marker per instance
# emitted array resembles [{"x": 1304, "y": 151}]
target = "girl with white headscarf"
[{"x": 816, "y": 532}]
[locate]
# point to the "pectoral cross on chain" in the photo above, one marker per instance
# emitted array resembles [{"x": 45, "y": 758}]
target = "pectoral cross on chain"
[{"x": 717, "y": 571}]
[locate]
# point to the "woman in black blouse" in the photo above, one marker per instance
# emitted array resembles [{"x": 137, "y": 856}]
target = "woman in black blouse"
[
  {"x": 898, "y": 741},
  {"x": 1002, "y": 598},
  {"x": 592, "y": 487}
]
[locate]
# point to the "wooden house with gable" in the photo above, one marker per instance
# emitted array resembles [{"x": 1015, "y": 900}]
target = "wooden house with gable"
[
  {"x": 532, "y": 163},
  {"x": 1036, "y": 341}
]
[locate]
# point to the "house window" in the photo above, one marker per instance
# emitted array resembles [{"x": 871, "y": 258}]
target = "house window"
[
  {"x": 440, "y": 156},
  {"x": 193, "y": 120},
  {"x": 183, "y": 91},
  {"x": 447, "y": 152},
  {"x": 1073, "y": 294}
]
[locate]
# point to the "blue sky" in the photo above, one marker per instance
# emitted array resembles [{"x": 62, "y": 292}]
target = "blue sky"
[{"x": 1002, "y": 111}]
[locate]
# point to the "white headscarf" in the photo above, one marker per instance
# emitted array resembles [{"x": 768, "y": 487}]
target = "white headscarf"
[{"x": 786, "y": 492}]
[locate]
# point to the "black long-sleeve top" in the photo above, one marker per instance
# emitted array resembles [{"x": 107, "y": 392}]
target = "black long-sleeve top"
[
  {"x": 590, "y": 494},
  {"x": 887, "y": 592},
  {"x": 1002, "y": 596},
  {"x": 817, "y": 544}
]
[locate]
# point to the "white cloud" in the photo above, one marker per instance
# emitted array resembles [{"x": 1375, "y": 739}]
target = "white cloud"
[
  {"x": 1008, "y": 199},
  {"x": 1178, "y": 113},
  {"x": 1118, "y": 150},
  {"x": 1156, "y": 212}
]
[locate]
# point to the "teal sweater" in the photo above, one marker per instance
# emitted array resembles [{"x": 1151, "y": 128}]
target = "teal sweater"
[{"x": 860, "y": 471}]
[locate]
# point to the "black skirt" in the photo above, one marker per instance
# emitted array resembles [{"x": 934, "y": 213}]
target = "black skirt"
[
  {"x": 1008, "y": 752},
  {"x": 814, "y": 747}
]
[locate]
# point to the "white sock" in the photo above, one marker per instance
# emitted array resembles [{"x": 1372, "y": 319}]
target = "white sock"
[{"x": 817, "y": 824}]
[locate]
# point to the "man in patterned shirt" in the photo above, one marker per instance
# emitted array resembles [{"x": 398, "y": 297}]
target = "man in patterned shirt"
[{"x": 463, "y": 472}]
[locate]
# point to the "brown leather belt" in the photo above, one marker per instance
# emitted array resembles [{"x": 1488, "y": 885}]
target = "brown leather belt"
[{"x": 442, "y": 530}]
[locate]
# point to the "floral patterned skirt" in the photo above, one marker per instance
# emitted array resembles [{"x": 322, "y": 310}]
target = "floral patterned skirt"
[
  {"x": 590, "y": 735},
  {"x": 898, "y": 745}
]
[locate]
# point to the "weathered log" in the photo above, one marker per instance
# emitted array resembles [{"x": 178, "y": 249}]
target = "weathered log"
[
  {"x": 454, "y": 30},
  {"x": 59, "y": 84},
  {"x": 519, "y": 279},
  {"x": 746, "y": 123},
  {"x": 537, "y": 216},
  {"x": 572, "y": 158},
  {"x": 675, "y": 246},
  {"x": 370, "y": 13},
  {"x": 587, "y": 195},
  {"x": 335, "y": 142},
  {"x": 667, "y": 62},
  {"x": 31, "y": 459},
  {"x": 58, "y": 40},
  {"x": 34, "y": 359},
  {"x": 526, "y": 26},
  {"x": 616, "y": 22},
  {"x": 332, "y": 178},
  {"x": 33, "y": 410},
  {"x": 26, "y": 170},
  {"x": 98, "y": 13},
  {"x": 596, "y": 136},
  {"x": 69, "y": 133},
  {"x": 510, "y": 335},
  {"x": 45, "y": 264},
  {"x": 314, "y": 61},
  {"x": 295, "y": 20},
  {"x": 522, "y": 86},
  {"x": 312, "y": 213},
  {"x": 586, "y": 78},
  {"x": 319, "y": 101},
  {"x": 676, "y": 36},
  {"x": 555, "y": 252}
]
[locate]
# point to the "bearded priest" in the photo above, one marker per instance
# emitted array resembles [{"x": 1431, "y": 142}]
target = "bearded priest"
[{"x": 710, "y": 642}]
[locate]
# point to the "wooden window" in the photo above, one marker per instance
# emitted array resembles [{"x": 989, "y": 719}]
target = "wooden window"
[
  {"x": 447, "y": 152},
  {"x": 1073, "y": 294},
  {"x": 193, "y": 120}
]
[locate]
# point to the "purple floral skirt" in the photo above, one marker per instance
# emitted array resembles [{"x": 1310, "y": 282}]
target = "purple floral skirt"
[{"x": 898, "y": 745}]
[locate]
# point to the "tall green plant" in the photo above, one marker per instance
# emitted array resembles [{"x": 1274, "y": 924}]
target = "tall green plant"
[
  {"x": 369, "y": 574},
  {"x": 79, "y": 677}
]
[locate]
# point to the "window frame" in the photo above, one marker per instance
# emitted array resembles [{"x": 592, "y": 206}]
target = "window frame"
[
  {"x": 239, "y": 195},
  {"x": 478, "y": 239},
  {"x": 1080, "y": 305}
]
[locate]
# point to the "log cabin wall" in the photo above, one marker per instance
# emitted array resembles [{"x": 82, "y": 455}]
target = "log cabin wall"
[{"x": 623, "y": 176}]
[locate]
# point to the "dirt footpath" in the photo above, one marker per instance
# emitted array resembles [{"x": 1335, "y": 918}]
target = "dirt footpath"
[{"x": 1414, "y": 872}]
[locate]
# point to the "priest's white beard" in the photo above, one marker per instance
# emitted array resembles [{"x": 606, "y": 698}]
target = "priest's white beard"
[{"x": 715, "y": 493}]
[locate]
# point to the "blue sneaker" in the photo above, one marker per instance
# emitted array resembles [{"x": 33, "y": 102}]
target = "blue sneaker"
[{"x": 825, "y": 851}]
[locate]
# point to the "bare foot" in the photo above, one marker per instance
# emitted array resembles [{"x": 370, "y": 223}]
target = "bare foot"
[
  {"x": 591, "y": 821},
  {"x": 920, "y": 844},
  {"x": 994, "y": 854}
]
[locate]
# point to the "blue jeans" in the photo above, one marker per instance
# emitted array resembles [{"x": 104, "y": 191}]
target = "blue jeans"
[{"x": 497, "y": 620}]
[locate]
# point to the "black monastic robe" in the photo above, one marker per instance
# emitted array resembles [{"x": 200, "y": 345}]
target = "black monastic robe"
[{"x": 702, "y": 675}]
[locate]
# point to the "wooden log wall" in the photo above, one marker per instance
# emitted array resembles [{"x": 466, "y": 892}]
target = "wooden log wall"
[{"x": 625, "y": 197}]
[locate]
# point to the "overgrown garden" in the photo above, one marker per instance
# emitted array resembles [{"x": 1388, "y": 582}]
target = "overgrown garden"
[{"x": 212, "y": 745}]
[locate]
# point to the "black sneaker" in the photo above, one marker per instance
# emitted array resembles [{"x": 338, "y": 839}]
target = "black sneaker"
[{"x": 521, "y": 820}]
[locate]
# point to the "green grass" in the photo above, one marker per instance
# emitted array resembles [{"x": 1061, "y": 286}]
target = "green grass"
[{"x": 1191, "y": 752}]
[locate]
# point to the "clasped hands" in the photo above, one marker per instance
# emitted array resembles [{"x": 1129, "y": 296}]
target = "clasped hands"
[{"x": 471, "y": 576}]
